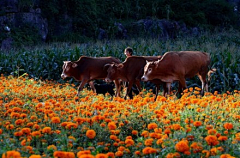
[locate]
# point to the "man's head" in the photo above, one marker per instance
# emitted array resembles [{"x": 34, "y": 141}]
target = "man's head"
[{"x": 128, "y": 51}]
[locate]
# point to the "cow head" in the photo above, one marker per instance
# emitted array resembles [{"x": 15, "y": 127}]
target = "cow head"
[
  {"x": 149, "y": 68},
  {"x": 113, "y": 71},
  {"x": 68, "y": 69}
]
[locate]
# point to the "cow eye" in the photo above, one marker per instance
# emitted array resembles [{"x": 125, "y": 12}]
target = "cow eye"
[
  {"x": 150, "y": 70},
  {"x": 113, "y": 71}
]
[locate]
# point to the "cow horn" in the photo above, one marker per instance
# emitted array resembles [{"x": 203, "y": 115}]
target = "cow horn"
[
  {"x": 120, "y": 66},
  {"x": 106, "y": 66}
]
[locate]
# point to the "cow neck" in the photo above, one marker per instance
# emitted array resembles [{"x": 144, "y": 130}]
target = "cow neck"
[{"x": 77, "y": 75}]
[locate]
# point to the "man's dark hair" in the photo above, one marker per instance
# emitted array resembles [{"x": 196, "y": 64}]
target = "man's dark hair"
[{"x": 130, "y": 50}]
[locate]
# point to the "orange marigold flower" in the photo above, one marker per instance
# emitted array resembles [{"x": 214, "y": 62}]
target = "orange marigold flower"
[
  {"x": 51, "y": 147},
  {"x": 1, "y": 131},
  {"x": 35, "y": 156},
  {"x": 55, "y": 120},
  {"x": 197, "y": 147},
  {"x": 222, "y": 138},
  {"x": 211, "y": 140},
  {"x": 137, "y": 152},
  {"x": 119, "y": 153},
  {"x": 228, "y": 126},
  {"x": 152, "y": 126},
  {"x": 26, "y": 131},
  {"x": 129, "y": 142},
  {"x": 176, "y": 127},
  {"x": 167, "y": 131},
  {"x": 212, "y": 131},
  {"x": 90, "y": 134},
  {"x": 59, "y": 154},
  {"x": 11, "y": 154},
  {"x": 148, "y": 142},
  {"x": 112, "y": 126},
  {"x": 36, "y": 134},
  {"x": 110, "y": 154},
  {"x": 197, "y": 123},
  {"x": 226, "y": 156},
  {"x": 47, "y": 130},
  {"x": 101, "y": 155},
  {"x": 134, "y": 132},
  {"x": 149, "y": 150},
  {"x": 18, "y": 122},
  {"x": 182, "y": 146}
]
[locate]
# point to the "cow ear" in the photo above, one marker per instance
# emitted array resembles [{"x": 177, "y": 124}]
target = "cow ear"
[
  {"x": 106, "y": 66},
  {"x": 120, "y": 66},
  {"x": 74, "y": 65}
]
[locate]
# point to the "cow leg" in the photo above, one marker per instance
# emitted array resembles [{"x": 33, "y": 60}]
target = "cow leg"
[
  {"x": 204, "y": 83},
  {"x": 182, "y": 85},
  {"x": 138, "y": 84},
  {"x": 168, "y": 86},
  {"x": 129, "y": 90},
  {"x": 165, "y": 89},
  {"x": 118, "y": 87},
  {"x": 92, "y": 86},
  {"x": 157, "y": 90},
  {"x": 80, "y": 88}
]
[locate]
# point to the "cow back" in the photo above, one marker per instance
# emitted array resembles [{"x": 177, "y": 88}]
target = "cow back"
[{"x": 94, "y": 66}]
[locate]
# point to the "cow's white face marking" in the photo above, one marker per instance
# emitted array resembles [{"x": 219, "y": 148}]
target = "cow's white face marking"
[{"x": 65, "y": 68}]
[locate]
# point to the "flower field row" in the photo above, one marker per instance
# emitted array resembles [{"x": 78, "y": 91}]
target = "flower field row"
[{"x": 46, "y": 119}]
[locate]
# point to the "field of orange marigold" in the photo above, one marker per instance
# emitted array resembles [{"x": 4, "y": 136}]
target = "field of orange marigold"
[{"x": 46, "y": 119}]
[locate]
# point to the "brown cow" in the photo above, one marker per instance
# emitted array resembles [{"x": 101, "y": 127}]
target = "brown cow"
[
  {"x": 87, "y": 69},
  {"x": 130, "y": 71},
  {"x": 176, "y": 66}
]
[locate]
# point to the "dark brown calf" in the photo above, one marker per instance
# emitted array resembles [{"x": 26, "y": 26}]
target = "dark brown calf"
[{"x": 130, "y": 71}]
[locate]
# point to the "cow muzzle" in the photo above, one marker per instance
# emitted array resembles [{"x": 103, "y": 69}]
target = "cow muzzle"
[
  {"x": 63, "y": 76},
  {"x": 108, "y": 80},
  {"x": 144, "y": 78}
]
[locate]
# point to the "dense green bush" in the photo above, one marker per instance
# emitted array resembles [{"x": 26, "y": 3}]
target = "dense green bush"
[{"x": 46, "y": 61}]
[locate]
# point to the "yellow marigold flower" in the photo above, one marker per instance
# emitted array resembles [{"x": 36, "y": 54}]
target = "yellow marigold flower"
[
  {"x": 182, "y": 146},
  {"x": 35, "y": 156},
  {"x": 112, "y": 126},
  {"x": 90, "y": 134}
]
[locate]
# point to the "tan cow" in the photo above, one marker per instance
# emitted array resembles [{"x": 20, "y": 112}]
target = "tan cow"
[
  {"x": 177, "y": 66},
  {"x": 87, "y": 69}
]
